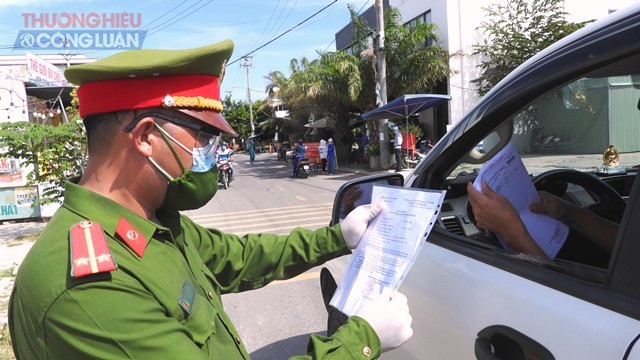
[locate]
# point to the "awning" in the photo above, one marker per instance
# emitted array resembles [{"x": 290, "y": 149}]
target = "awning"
[
  {"x": 51, "y": 93},
  {"x": 322, "y": 123},
  {"x": 405, "y": 106}
]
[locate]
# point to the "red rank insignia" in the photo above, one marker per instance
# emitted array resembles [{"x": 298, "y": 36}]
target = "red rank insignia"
[
  {"x": 131, "y": 236},
  {"x": 90, "y": 253}
]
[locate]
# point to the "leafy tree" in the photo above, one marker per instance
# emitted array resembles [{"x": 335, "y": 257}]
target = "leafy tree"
[
  {"x": 340, "y": 84},
  {"x": 237, "y": 115},
  {"x": 56, "y": 153},
  {"x": 515, "y": 31}
]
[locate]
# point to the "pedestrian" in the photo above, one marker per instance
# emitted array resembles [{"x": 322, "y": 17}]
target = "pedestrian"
[
  {"x": 364, "y": 141},
  {"x": 322, "y": 150},
  {"x": 397, "y": 147},
  {"x": 331, "y": 156},
  {"x": 119, "y": 273},
  {"x": 252, "y": 151},
  {"x": 298, "y": 153}
]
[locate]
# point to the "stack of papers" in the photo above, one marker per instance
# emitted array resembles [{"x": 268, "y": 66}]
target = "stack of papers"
[
  {"x": 505, "y": 174},
  {"x": 389, "y": 246}
]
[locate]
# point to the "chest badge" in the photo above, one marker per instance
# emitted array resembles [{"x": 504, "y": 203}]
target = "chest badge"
[
  {"x": 187, "y": 298},
  {"x": 90, "y": 253}
]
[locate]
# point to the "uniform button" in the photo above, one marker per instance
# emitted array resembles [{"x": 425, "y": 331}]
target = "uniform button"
[
  {"x": 210, "y": 295},
  {"x": 366, "y": 351}
]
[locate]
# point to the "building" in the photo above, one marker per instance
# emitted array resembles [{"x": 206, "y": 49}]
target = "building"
[
  {"x": 458, "y": 22},
  {"x": 32, "y": 88}
]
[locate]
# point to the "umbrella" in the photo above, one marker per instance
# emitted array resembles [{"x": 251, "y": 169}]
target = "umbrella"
[
  {"x": 405, "y": 106},
  {"x": 322, "y": 123}
]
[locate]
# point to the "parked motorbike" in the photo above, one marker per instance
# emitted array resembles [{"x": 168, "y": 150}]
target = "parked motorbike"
[
  {"x": 411, "y": 160},
  {"x": 224, "y": 173},
  {"x": 303, "y": 168},
  {"x": 539, "y": 142}
]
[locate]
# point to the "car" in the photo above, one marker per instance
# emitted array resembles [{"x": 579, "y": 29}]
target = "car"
[{"x": 472, "y": 298}]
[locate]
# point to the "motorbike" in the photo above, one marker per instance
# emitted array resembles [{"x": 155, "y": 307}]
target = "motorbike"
[
  {"x": 303, "y": 168},
  {"x": 224, "y": 173},
  {"x": 411, "y": 159},
  {"x": 539, "y": 142}
]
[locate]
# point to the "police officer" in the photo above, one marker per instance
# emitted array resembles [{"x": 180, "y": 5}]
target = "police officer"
[{"x": 119, "y": 273}]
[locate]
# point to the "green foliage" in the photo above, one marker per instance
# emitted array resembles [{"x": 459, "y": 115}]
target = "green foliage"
[
  {"x": 342, "y": 83},
  {"x": 373, "y": 149},
  {"x": 237, "y": 115},
  {"x": 412, "y": 128},
  {"x": 515, "y": 31},
  {"x": 56, "y": 153}
]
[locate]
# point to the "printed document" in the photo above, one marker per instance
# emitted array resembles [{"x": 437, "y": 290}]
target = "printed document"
[
  {"x": 389, "y": 246},
  {"x": 505, "y": 174}
]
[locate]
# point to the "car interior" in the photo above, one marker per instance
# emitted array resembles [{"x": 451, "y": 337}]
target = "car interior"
[{"x": 564, "y": 139}]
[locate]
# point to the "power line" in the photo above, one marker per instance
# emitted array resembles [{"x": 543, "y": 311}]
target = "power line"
[
  {"x": 359, "y": 12},
  {"x": 284, "y": 33},
  {"x": 162, "y": 28},
  {"x": 167, "y": 13}
]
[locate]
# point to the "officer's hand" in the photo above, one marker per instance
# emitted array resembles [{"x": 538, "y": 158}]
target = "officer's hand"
[
  {"x": 354, "y": 225},
  {"x": 390, "y": 319}
]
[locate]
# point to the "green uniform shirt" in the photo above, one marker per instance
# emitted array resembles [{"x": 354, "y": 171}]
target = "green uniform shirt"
[{"x": 134, "y": 312}]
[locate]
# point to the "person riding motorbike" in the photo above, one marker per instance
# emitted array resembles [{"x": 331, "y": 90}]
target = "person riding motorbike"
[
  {"x": 224, "y": 153},
  {"x": 298, "y": 153}
]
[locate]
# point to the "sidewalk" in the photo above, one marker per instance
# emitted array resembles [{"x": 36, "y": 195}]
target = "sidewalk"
[{"x": 15, "y": 241}]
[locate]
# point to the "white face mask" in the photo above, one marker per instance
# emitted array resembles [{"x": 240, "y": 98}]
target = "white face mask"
[{"x": 204, "y": 158}]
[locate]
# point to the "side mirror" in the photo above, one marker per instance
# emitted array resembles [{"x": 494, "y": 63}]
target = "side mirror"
[{"x": 358, "y": 192}]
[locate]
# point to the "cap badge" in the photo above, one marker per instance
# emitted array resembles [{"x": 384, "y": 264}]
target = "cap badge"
[{"x": 168, "y": 101}]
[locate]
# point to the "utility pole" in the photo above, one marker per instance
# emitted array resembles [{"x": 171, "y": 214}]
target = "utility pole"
[
  {"x": 382, "y": 84},
  {"x": 247, "y": 63},
  {"x": 66, "y": 55}
]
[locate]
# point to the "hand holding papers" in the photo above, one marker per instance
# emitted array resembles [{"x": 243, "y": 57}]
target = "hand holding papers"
[
  {"x": 505, "y": 174},
  {"x": 389, "y": 246}
]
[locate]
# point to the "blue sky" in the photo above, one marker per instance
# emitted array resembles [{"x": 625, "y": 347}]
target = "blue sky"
[{"x": 182, "y": 24}]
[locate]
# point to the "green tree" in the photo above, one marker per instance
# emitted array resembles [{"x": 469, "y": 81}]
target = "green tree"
[
  {"x": 340, "y": 84},
  {"x": 515, "y": 31},
  {"x": 56, "y": 153},
  {"x": 237, "y": 115}
]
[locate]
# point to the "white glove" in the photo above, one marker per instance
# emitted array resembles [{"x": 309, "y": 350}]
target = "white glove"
[
  {"x": 390, "y": 319},
  {"x": 354, "y": 225}
]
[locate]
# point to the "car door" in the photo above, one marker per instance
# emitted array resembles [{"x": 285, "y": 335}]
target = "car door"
[{"x": 469, "y": 297}]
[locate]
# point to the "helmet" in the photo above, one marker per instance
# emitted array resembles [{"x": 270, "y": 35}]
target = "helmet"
[
  {"x": 300, "y": 141},
  {"x": 224, "y": 143}
]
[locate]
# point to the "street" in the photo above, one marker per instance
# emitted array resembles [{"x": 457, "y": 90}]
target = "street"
[{"x": 274, "y": 322}]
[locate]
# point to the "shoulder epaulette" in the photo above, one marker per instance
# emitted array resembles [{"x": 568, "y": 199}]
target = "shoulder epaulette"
[{"x": 90, "y": 253}]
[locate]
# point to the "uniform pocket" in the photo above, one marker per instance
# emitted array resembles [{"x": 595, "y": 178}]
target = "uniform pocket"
[{"x": 201, "y": 322}]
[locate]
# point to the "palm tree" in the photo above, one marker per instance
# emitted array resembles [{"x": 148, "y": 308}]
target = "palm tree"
[{"x": 339, "y": 84}]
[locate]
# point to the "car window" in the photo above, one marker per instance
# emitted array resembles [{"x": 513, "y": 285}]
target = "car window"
[
  {"x": 573, "y": 126},
  {"x": 590, "y": 124}
]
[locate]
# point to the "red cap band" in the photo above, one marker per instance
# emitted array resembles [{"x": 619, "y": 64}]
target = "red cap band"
[{"x": 99, "y": 97}]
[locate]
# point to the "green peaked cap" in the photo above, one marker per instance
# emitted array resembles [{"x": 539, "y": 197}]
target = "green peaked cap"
[
  {"x": 185, "y": 80},
  {"x": 146, "y": 63}
]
